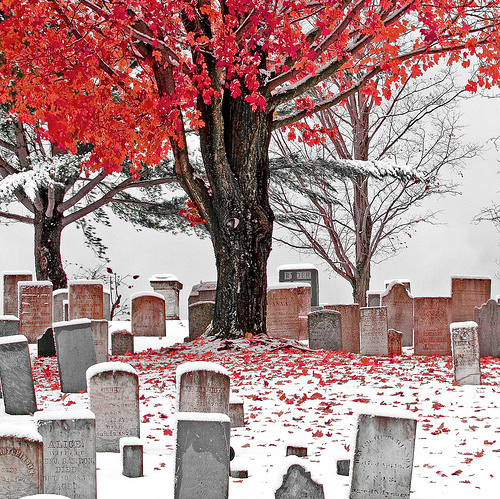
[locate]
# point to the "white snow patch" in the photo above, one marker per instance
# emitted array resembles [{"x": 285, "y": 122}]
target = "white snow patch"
[
  {"x": 27, "y": 431},
  {"x": 298, "y": 266},
  {"x": 199, "y": 366},
  {"x": 124, "y": 441},
  {"x": 84, "y": 282},
  {"x": 216, "y": 417},
  {"x": 235, "y": 399},
  {"x": 289, "y": 285},
  {"x": 102, "y": 367},
  {"x": 59, "y": 291},
  {"x": 16, "y": 338},
  {"x": 470, "y": 277},
  {"x": 23, "y": 284},
  {"x": 163, "y": 277},
  {"x": 140, "y": 294},
  {"x": 8, "y": 318},
  {"x": 64, "y": 414},
  {"x": 73, "y": 322},
  {"x": 373, "y": 410},
  {"x": 18, "y": 272},
  {"x": 462, "y": 325}
]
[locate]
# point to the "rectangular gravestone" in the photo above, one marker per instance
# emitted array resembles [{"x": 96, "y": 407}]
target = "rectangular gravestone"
[
  {"x": 58, "y": 298},
  {"x": 75, "y": 353},
  {"x": 106, "y": 304},
  {"x": 202, "y": 456},
  {"x": 113, "y": 389},
  {"x": 132, "y": 453},
  {"x": 168, "y": 286},
  {"x": 69, "y": 452},
  {"x": 122, "y": 342},
  {"x": 465, "y": 353},
  {"x": 487, "y": 318},
  {"x": 35, "y": 308},
  {"x": 467, "y": 293},
  {"x": 297, "y": 483},
  {"x": 383, "y": 457},
  {"x": 325, "y": 332},
  {"x": 399, "y": 304},
  {"x": 200, "y": 315},
  {"x": 21, "y": 462},
  {"x": 394, "y": 339},
  {"x": 236, "y": 411},
  {"x": 85, "y": 300},
  {"x": 100, "y": 337},
  {"x": 16, "y": 376},
  {"x": 432, "y": 319},
  {"x": 9, "y": 325},
  {"x": 373, "y": 331},
  {"x": 373, "y": 298},
  {"x": 45, "y": 344},
  {"x": 349, "y": 318},
  {"x": 205, "y": 291},
  {"x": 11, "y": 291},
  {"x": 148, "y": 314},
  {"x": 301, "y": 273}
]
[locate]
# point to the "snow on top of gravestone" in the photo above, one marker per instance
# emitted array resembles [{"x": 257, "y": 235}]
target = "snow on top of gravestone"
[
  {"x": 74, "y": 322},
  {"x": 64, "y": 414},
  {"x": 462, "y": 325},
  {"x": 59, "y": 291},
  {"x": 199, "y": 366},
  {"x": 17, "y": 272},
  {"x": 390, "y": 284},
  {"x": 45, "y": 496},
  {"x": 22, "y": 284},
  {"x": 27, "y": 431},
  {"x": 15, "y": 338},
  {"x": 140, "y": 294},
  {"x": 281, "y": 469},
  {"x": 9, "y": 318},
  {"x": 202, "y": 416},
  {"x": 109, "y": 366},
  {"x": 470, "y": 277},
  {"x": 235, "y": 399},
  {"x": 78, "y": 282},
  {"x": 289, "y": 285},
  {"x": 374, "y": 410},
  {"x": 129, "y": 441},
  {"x": 163, "y": 277},
  {"x": 298, "y": 266}
]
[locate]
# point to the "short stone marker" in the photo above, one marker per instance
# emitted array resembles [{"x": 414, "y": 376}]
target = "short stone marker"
[
  {"x": 131, "y": 450},
  {"x": 349, "y": 321},
  {"x": 10, "y": 291},
  {"x": 9, "y": 325},
  {"x": 69, "y": 452},
  {"x": 200, "y": 315},
  {"x": 58, "y": 298},
  {"x": 236, "y": 411},
  {"x": 21, "y": 462},
  {"x": 122, "y": 342},
  {"x": 202, "y": 387},
  {"x": 467, "y": 293},
  {"x": 45, "y": 344},
  {"x": 202, "y": 456},
  {"x": 148, "y": 314},
  {"x": 205, "y": 291},
  {"x": 383, "y": 457},
  {"x": 113, "y": 389},
  {"x": 373, "y": 298},
  {"x": 16, "y": 376},
  {"x": 294, "y": 450},
  {"x": 168, "y": 286},
  {"x": 465, "y": 353},
  {"x": 487, "y": 318},
  {"x": 325, "y": 330},
  {"x": 298, "y": 483},
  {"x": 106, "y": 304},
  {"x": 373, "y": 331},
  {"x": 85, "y": 300},
  {"x": 432, "y": 319},
  {"x": 343, "y": 467},
  {"x": 399, "y": 305},
  {"x": 394, "y": 339},
  {"x": 100, "y": 337},
  {"x": 35, "y": 308},
  {"x": 75, "y": 353},
  {"x": 301, "y": 273}
]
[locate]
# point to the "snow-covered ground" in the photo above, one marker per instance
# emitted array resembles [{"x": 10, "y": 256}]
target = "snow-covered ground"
[{"x": 293, "y": 397}]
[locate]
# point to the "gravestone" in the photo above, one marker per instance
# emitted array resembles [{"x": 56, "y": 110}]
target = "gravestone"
[
  {"x": 148, "y": 314},
  {"x": 11, "y": 291},
  {"x": 349, "y": 319},
  {"x": 294, "y": 450},
  {"x": 373, "y": 298},
  {"x": 100, "y": 337},
  {"x": 404, "y": 282},
  {"x": 236, "y": 411},
  {"x": 202, "y": 456},
  {"x": 394, "y": 340},
  {"x": 205, "y": 291},
  {"x": 132, "y": 452},
  {"x": 58, "y": 298},
  {"x": 16, "y": 376},
  {"x": 75, "y": 353},
  {"x": 200, "y": 315},
  {"x": 487, "y": 318},
  {"x": 69, "y": 452},
  {"x": 45, "y": 344},
  {"x": 66, "y": 310},
  {"x": 113, "y": 389},
  {"x": 383, "y": 457},
  {"x": 324, "y": 327},
  {"x": 431, "y": 324},
  {"x": 85, "y": 300},
  {"x": 467, "y": 293},
  {"x": 122, "y": 342},
  {"x": 465, "y": 353},
  {"x": 9, "y": 325},
  {"x": 168, "y": 286},
  {"x": 301, "y": 273},
  {"x": 21, "y": 462},
  {"x": 298, "y": 483},
  {"x": 35, "y": 308},
  {"x": 106, "y": 304},
  {"x": 399, "y": 304},
  {"x": 202, "y": 387},
  {"x": 373, "y": 331}
]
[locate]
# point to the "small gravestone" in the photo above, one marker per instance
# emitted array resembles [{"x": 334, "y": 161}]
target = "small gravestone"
[
  {"x": 168, "y": 286},
  {"x": 301, "y": 273},
  {"x": 122, "y": 342},
  {"x": 432, "y": 319},
  {"x": 205, "y": 291},
  {"x": 202, "y": 456},
  {"x": 16, "y": 376},
  {"x": 113, "y": 389},
  {"x": 325, "y": 330},
  {"x": 10, "y": 290},
  {"x": 343, "y": 467},
  {"x": 383, "y": 457},
  {"x": 106, "y": 304},
  {"x": 373, "y": 298},
  {"x": 487, "y": 318},
  {"x": 465, "y": 353},
  {"x": 294, "y": 450},
  {"x": 202, "y": 387},
  {"x": 21, "y": 462},
  {"x": 236, "y": 411},
  {"x": 69, "y": 452},
  {"x": 399, "y": 305},
  {"x": 148, "y": 314},
  {"x": 100, "y": 337},
  {"x": 200, "y": 315},
  {"x": 9, "y": 325},
  {"x": 45, "y": 344},
  {"x": 131, "y": 450},
  {"x": 85, "y": 300},
  {"x": 394, "y": 339},
  {"x": 75, "y": 353},
  {"x": 297, "y": 483},
  {"x": 35, "y": 308},
  {"x": 59, "y": 296},
  {"x": 349, "y": 321},
  {"x": 467, "y": 293},
  {"x": 373, "y": 331}
]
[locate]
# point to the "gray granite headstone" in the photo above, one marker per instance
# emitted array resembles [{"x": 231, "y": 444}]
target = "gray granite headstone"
[
  {"x": 132, "y": 452},
  {"x": 301, "y": 273},
  {"x": 201, "y": 314},
  {"x": 487, "y": 318},
  {"x": 373, "y": 298},
  {"x": 325, "y": 330},
  {"x": 297, "y": 483},
  {"x": 465, "y": 353},
  {"x": 122, "y": 342},
  {"x": 373, "y": 331},
  {"x": 9, "y": 325},
  {"x": 45, "y": 344},
  {"x": 16, "y": 376}
]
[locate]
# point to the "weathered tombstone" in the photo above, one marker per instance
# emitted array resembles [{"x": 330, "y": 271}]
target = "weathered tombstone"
[
  {"x": 9, "y": 325},
  {"x": 100, "y": 337},
  {"x": 301, "y": 273},
  {"x": 399, "y": 305},
  {"x": 16, "y": 376},
  {"x": 325, "y": 332},
  {"x": 343, "y": 467},
  {"x": 132, "y": 452},
  {"x": 349, "y": 319},
  {"x": 35, "y": 308},
  {"x": 298, "y": 483},
  {"x": 75, "y": 353},
  {"x": 236, "y": 411},
  {"x": 373, "y": 331},
  {"x": 168, "y": 286},
  {"x": 431, "y": 325},
  {"x": 404, "y": 282},
  {"x": 10, "y": 291},
  {"x": 58, "y": 298},
  {"x": 106, "y": 304},
  {"x": 21, "y": 462},
  {"x": 85, "y": 300},
  {"x": 394, "y": 339},
  {"x": 467, "y": 293},
  {"x": 205, "y": 291},
  {"x": 202, "y": 387},
  {"x": 373, "y": 298},
  {"x": 122, "y": 342},
  {"x": 66, "y": 310},
  {"x": 383, "y": 457},
  {"x": 113, "y": 389},
  {"x": 69, "y": 452},
  {"x": 200, "y": 315},
  {"x": 296, "y": 450},
  {"x": 46, "y": 496},
  {"x": 487, "y": 318},
  {"x": 45, "y": 344},
  {"x": 148, "y": 314},
  {"x": 465, "y": 353},
  {"x": 202, "y": 456}
]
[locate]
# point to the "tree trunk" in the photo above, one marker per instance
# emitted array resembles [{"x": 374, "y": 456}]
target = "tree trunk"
[{"x": 361, "y": 285}]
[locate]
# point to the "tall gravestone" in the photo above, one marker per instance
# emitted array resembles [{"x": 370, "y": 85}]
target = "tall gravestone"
[
  {"x": 10, "y": 291},
  {"x": 200, "y": 315},
  {"x": 100, "y": 337},
  {"x": 35, "y": 308},
  {"x": 106, "y": 304},
  {"x": 432, "y": 319},
  {"x": 113, "y": 389},
  {"x": 301, "y": 273},
  {"x": 373, "y": 331},
  {"x": 349, "y": 318},
  {"x": 325, "y": 330},
  {"x": 202, "y": 456},
  {"x": 383, "y": 457},
  {"x": 9, "y": 325},
  {"x": 465, "y": 353},
  {"x": 487, "y": 318},
  {"x": 85, "y": 300},
  {"x": 69, "y": 452},
  {"x": 467, "y": 293},
  {"x": 205, "y": 291},
  {"x": 168, "y": 286},
  {"x": 148, "y": 314},
  {"x": 297, "y": 483},
  {"x": 399, "y": 304},
  {"x": 58, "y": 298},
  {"x": 16, "y": 376}
]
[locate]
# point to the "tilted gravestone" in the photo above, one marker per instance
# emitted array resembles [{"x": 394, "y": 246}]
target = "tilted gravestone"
[
  {"x": 75, "y": 353},
  {"x": 113, "y": 389},
  {"x": 45, "y": 344},
  {"x": 205, "y": 291},
  {"x": 399, "y": 304},
  {"x": 298, "y": 483},
  {"x": 148, "y": 314},
  {"x": 200, "y": 315},
  {"x": 10, "y": 291},
  {"x": 168, "y": 286},
  {"x": 465, "y": 353},
  {"x": 202, "y": 456},
  {"x": 349, "y": 319},
  {"x": 35, "y": 308},
  {"x": 16, "y": 376},
  {"x": 85, "y": 300},
  {"x": 58, "y": 298},
  {"x": 301, "y": 273},
  {"x": 325, "y": 330},
  {"x": 122, "y": 342},
  {"x": 373, "y": 331},
  {"x": 467, "y": 293},
  {"x": 9, "y": 325},
  {"x": 394, "y": 339},
  {"x": 487, "y": 318},
  {"x": 100, "y": 337},
  {"x": 132, "y": 453},
  {"x": 69, "y": 452},
  {"x": 432, "y": 319},
  {"x": 383, "y": 457}
]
